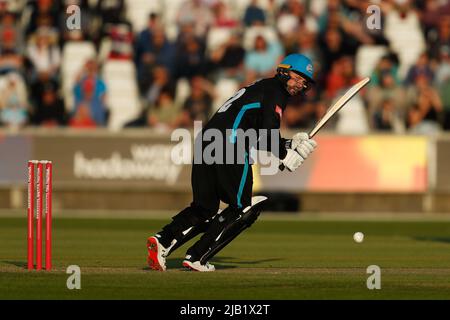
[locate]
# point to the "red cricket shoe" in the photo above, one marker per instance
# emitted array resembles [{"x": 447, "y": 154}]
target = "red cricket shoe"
[{"x": 156, "y": 254}]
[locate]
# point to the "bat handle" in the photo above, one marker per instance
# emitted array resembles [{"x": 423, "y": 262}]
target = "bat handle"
[{"x": 281, "y": 167}]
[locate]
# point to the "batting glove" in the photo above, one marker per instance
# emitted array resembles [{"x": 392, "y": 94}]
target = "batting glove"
[
  {"x": 303, "y": 144},
  {"x": 292, "y": 160}
]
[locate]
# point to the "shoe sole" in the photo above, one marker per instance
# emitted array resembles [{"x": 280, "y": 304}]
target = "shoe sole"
[
  {"x": 152, "y": 258},
  {"x": 190, "y": 267}
]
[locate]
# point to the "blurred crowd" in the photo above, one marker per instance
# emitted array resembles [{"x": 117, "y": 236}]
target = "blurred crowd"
[{"x": 209, "y": 48}]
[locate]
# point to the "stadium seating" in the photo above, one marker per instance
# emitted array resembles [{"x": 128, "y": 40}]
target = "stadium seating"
[
  {"x": 367, "y": 58},
  {"x": 225, "y": 89},
  {"x": 353, "y": 118},
  {"x": 170, "y": 12},
  {"x": 139, "y": 10},
  {"x": 238, "y": 7},
  {"x": 182, "y": 91},
  {"x": 251, "y": 33},
  {"x": 406, "y": 39},
  {"x": 122, "y": 96},
  {"x": 75, "y": 54},
  {"x": 318, "y": 7},
  {"x": 217, "y": 37}
]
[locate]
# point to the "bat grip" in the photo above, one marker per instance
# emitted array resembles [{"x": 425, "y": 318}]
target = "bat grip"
[{"x": 281, "y": 167}]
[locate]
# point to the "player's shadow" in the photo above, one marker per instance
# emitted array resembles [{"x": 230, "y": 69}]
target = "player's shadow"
[
  {"x": 177, "y": 263},
  {"x": 220, "y": 263},
  {"x": 433, "y": 239},
  {"x": 240, "y": 261},
  {"x": 20, "y": 264}
]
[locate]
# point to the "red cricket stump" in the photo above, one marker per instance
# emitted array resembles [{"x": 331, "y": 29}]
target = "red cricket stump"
[
  {"x": 48, "y": 215},
  {"x": 39, "y": 207},
  {"x": 30, "y": 213},
  {"x": 36, "y": 172}
]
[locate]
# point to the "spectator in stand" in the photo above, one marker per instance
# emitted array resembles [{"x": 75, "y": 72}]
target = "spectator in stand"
[
  {"x": 430, "y": 15},
  {"x": 418, "y": 125},
  {"x": 158, "y": 51},
  {"x": 83, "y": 118},
  {"x": 121, "y": 37},
  {"x": 161, "y": 82},
  {"x": 355, "y": 21},
  {"x": 341, "y": 77},
  {"x": 11, "y": 44},
  {"x": 162, "y": 50},
  {"x": 4, "y": 7},
  {"x": 198, "y": 13},
  {"x": 13, "y": 102},
  {"x": 333, "y": 47},
  {"x": 50, "y": 112},
  {"x": 440, "y": 38},
  {"x": 44, "y": 54},
  {"x": 330, "y": 18},
  {"x": 421, "y": 67},
  {"x": 389, "y": 92},
  {"x": 43, "y": 13},
  {"x": 427, "y": 108},
  {"x": 90, "y": 91},
  {"x": 198, "y": 105},
  {"x": 190, "y": 57},
  {"x": 165, "y": 114},
  {"x": 387, "y": 64},
  {"x": 339, "y": 31},
  {"x": 228, "y": 59},
  {"x": 260, "y": 61},
  {"x": 403, "y": 31},
  {"x": 254, "y": 15},
  {"x": 387, "y": 118},
  {"x": 145, "y": 38},
  {"x": 293, "y": 20},
  {"x": 111, "y": 11},
  {"x": 222, "y": 17},
  {"x": 42, "y": 81}
]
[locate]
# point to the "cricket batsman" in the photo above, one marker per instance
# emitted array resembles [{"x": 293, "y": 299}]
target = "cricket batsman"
[{"x": 258, "y": 106}]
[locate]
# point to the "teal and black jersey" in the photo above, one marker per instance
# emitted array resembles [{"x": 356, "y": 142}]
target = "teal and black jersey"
[{"x": 258, "y": 106}]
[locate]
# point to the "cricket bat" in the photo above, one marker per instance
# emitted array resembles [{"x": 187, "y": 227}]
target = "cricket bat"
[
  {"x": 336, "y": 107},
  {"x": 339, "y": 105}
]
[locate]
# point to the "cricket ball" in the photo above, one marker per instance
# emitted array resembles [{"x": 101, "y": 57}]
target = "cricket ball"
[{"x": 358, "y": 237}]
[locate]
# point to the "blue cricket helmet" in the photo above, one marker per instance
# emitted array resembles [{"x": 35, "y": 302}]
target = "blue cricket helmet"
[{"x": 298, "y": 63}]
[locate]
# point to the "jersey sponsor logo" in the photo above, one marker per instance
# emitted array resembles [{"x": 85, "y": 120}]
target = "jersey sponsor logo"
[{"x": 279, "y": 111}]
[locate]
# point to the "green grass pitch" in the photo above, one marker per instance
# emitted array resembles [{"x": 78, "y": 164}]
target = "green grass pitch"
[{"x": 285, "y": 259}]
